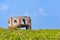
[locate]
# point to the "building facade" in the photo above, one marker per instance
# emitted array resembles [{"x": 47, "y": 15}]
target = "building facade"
[{"x": 22, "y": 21}]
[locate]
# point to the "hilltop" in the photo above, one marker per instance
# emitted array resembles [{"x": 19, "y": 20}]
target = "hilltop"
[{"x": 6, "y": 34}]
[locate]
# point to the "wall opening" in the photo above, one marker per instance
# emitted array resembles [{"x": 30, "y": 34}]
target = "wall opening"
[
  {"x": 23, "y": 21},
  {"x": 15, "y": 22},
  {"x": 24, "y": 28},
  {"x": 9, "y": 21}
]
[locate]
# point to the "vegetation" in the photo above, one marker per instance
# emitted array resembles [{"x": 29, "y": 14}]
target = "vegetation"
[{"x": 6, "y": 34}]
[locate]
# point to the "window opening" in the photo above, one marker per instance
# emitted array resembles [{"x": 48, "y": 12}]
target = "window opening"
[
  {"x": 15, "y": 22},
  {"x": 23, "y": 21}
]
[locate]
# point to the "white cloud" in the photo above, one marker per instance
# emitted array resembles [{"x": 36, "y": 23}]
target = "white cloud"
[
  {"x": 42, "y": 12},
  {"x": 4, "y": 7}
]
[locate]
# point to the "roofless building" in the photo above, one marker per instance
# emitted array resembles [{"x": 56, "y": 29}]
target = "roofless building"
[{"x": 19, "y": 22}]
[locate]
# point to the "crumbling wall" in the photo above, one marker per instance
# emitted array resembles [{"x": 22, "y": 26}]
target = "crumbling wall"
[{"x": 18, "y": 22}]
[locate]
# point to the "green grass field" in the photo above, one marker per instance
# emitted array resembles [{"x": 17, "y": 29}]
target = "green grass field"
[{"x": 29, "y": 34}]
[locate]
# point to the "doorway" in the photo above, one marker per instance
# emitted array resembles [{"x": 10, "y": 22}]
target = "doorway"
[{"x": 23, "y": 21}]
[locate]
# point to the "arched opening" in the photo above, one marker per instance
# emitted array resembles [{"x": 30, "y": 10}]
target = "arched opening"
[
  {"x": 24, "y": 21},
  {"x": 15, "y": 22}
]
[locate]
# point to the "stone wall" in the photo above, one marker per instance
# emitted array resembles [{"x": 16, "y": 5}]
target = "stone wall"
[{"x": 19, "y": 22}]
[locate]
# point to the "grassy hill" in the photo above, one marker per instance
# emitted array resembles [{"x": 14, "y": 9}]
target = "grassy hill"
[{"x": 29, "y": 34}]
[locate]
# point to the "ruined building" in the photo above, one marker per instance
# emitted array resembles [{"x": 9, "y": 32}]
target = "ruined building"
[{"x": 19, "y": 22}]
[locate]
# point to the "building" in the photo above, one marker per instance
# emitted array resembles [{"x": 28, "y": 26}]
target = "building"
[{"x": 19, "y": 22}]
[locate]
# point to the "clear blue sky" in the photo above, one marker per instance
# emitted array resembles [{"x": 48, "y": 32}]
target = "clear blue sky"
[{"x": 44, "y": 13}]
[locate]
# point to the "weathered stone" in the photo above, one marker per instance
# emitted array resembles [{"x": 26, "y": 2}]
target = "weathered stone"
[{"x": 19, "y": 22}]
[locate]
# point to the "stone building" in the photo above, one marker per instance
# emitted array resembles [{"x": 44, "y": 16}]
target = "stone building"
[{"x": 20, "y": 22}]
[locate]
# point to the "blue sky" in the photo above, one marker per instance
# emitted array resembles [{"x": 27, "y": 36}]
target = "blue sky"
[{"x": 45, "y": 14}]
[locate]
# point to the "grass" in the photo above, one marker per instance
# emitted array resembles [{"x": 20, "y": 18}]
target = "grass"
[{"x": 46, "y": 34}]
